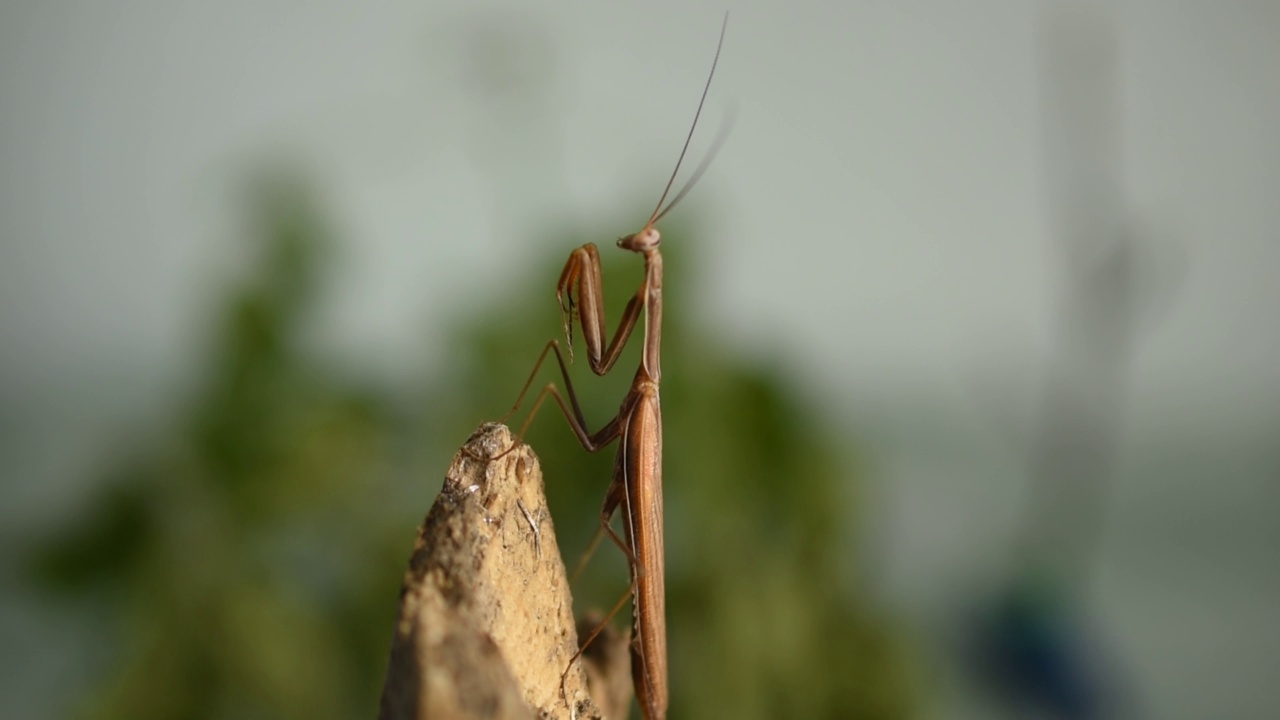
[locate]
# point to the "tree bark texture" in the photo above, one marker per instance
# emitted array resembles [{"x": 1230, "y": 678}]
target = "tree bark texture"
[{"x": 486, "y": 626}]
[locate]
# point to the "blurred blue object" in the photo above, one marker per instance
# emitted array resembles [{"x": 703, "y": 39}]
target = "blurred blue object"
[{"x": 1036, "y": 650}]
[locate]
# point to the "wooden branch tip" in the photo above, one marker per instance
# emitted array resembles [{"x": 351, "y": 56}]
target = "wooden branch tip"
[{"x": 486, "y": 626}]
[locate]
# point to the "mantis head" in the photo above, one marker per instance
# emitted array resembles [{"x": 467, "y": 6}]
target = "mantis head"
[{"x": 647, "y": 240}]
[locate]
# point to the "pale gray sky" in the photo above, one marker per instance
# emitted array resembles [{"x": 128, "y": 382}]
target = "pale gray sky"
[{"x": 878, "y": 211}]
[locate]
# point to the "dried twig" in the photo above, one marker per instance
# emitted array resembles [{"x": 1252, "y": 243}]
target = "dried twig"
[{"x": 486, "y": 621}]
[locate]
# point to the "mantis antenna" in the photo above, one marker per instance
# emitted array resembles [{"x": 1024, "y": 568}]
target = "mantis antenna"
[{"x": 659, "y": 212}]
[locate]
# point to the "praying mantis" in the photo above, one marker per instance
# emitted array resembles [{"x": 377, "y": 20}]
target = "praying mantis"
[{"x": 636, "y": 486}]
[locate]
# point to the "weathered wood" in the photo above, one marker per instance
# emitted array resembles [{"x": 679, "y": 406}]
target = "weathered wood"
[{"x": 486, "y": 617}]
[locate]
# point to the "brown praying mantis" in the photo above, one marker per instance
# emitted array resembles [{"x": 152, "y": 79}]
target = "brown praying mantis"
[{"x": 636, "y": 486}]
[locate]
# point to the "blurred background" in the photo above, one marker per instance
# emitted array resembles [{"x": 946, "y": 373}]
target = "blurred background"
[{"x": 971, "y": 369}]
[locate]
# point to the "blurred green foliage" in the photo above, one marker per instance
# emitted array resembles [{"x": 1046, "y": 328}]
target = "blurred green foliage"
[
  {"x": 239, "y": 557},
  {"x": 250, "y": 560}
]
